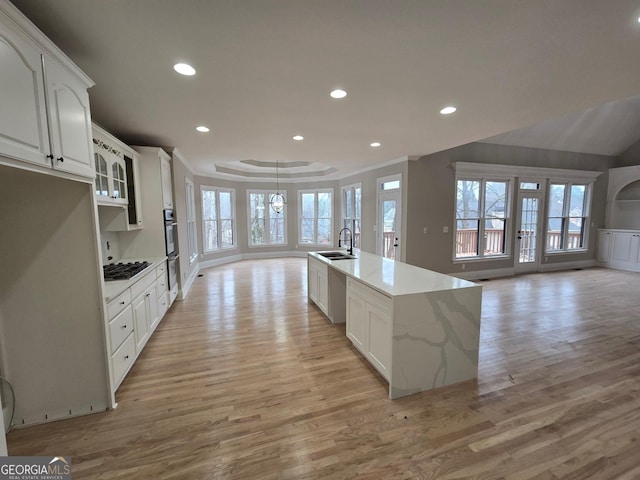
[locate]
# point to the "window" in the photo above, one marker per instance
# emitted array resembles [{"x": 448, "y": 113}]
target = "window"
[
  {"x": 568, "y": 216},
  {"x": 191, "y": 220},
  {"x": 316, "y": 217},
  {"x": 481, "y": 217},
  {"x": 351, "y": 211},
  {"x": 218, "y": 213},
  {"x": 266, "y": 227}
]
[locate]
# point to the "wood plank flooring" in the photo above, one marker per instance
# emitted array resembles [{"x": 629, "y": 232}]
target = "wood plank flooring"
[{"x": 246, "y": 380}]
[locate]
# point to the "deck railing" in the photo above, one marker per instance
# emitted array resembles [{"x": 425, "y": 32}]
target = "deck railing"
[{"x": 467, "y": 241}]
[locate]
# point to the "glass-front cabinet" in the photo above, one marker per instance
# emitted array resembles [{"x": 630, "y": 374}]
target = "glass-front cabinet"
[{"x": 111, "y": 170}]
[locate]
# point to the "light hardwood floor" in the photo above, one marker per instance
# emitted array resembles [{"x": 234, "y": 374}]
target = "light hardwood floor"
[{"x": 246, "y": 380}]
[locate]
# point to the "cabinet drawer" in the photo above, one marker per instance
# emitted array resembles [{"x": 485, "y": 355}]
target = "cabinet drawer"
[
  {"x": 120, "y": 327},
  {"x": 371, "y": 296},
  {"x": 118, "y": 304},
  {"x": 161, "y": 286},
  {"x": 161, "y": 271},
  {"x": 163, "y": 303},
  {"x": 141, "y": 285},
  {"x": 123, "y": 358}
]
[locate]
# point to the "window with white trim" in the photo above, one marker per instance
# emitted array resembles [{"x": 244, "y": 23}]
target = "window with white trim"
[
  {"x": 482, "y": 219},
  {"x": 266, "y": 226},
  {"x": 191, "y": 220},
  {"x": 218, "y": 218},
  {"x": 316, "y": 217},
  {"x": 567, "y": 216},
  {"x": 352, "y": 211}
]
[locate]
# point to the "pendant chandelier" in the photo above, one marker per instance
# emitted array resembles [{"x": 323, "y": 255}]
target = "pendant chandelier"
[{"x": 277, "y": 200}]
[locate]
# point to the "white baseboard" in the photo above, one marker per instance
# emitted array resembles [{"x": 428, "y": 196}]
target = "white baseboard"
[
  {"x": 480, "y": 274},
  {"x": 552, "y": 267},
  {"x": 186, "y": 286},
  {"x": 511, "y": 271}
]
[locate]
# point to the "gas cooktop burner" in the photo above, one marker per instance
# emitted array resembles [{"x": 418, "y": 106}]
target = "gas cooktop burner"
[{"x": 123, "y": 271}]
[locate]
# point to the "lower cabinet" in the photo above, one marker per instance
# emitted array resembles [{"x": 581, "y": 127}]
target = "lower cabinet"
[
  {"x": 133, "y": 317},
  {"x": 318, "y": 284},
  {"x": 369, "y": 324},
  {"x": 619, "y": 249}
]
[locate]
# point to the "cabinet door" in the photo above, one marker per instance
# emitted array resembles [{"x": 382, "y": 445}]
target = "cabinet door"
[
  {"x": 379, "y": 338},
  {"x": 635, "y": 250},
  {"x": 604, "y": 246},
  {"x": 141, "y": 325},
  {"x": 151, "y": 297},
  {"x": 312, "y": 281},
  {"x": 621, "y": 247},
  {"x": 118, "y": 179},
  {"x": 23, "y": 119},
  {"x": 356, "y": 321},
  {"x": 69, "y": 121},
  {"x": 167, "y": 190},
  {"x": 323, "y": 291}
]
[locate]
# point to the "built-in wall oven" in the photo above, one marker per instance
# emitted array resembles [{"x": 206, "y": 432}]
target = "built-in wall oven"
[{"x": 170, "y": 240}]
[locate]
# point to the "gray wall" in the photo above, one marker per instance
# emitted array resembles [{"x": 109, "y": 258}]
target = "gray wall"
[
  {"x": 630, "y": 157},
  {"x": 431, "y": 200},
  {"x": 180, "y": 173}
]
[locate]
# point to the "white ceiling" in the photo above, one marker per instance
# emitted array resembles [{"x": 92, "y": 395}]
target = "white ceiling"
[{"x": 265, "y": 69}]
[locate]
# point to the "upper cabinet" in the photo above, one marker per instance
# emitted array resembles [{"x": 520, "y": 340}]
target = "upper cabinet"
[
  {"x": 110, "y": 168},
  {"x": 45, "y": 119},
  {"x": 117, "y": 183}
]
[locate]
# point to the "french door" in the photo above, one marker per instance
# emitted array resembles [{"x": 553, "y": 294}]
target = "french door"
[
  {"x": 528, "y": 231},
  {"x": 389, "y": 217}
]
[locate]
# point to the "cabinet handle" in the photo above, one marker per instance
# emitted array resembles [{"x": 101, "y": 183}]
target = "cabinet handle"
[
  {"x": 148, "y": 295},
  {"x": 126, "y": 357},
  {"x": 50, "y": 156},
  {"x": 60, "y": 159},
  {"x": 124, "y": 326},
  {"x": 122, "y": 303}
]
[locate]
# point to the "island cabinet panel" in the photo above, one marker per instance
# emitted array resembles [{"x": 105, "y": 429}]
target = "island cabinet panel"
[{"x": 419, "y": 329}]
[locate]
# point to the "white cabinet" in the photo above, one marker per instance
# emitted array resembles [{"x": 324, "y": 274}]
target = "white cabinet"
[
  {"x": 111, "y": 169},
  {"x": 619, "y": 249},
  {"x": 369, "y": 324},
  {"x": 318, "y": 289},
  {"x": 45, "y": 118},
  {"x": 167, "y": 184},
  {"x": 69, "y": 121},
  {"x": 133, "y": 316},
  {"x": 117, "y": 183},
  {"x": 145, "y": 312}
]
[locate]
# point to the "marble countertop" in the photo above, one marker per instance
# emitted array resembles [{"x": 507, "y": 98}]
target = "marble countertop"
[
  {"x": 393, "y": 278},
  {"x": 114, "y": 288}
]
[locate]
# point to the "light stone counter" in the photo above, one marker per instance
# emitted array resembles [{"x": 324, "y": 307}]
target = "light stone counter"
[{"x": 423, "y": 332}]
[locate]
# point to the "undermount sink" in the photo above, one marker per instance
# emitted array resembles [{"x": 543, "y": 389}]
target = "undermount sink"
[{"x": 337, "y": 255}]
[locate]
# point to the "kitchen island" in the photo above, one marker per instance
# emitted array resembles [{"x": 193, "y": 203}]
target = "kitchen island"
[{"x": 420, "y": 329}]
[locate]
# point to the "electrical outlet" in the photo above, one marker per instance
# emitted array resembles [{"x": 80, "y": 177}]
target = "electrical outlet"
[
  {"x": 445, "y": 229},
  {"x": 424, "y": 230},
  {"x": 463, "y": 266}
]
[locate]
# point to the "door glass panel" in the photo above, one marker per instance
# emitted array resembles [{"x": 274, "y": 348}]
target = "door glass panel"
[
  {"x": 528, "y": 230},
  {"x": 102, "y": 178},
  {"x": 389, "y": 228},
  {"x": 118, "y": 181}
]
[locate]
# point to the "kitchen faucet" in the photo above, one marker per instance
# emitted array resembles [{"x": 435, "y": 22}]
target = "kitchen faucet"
[{"x": 350, "y": 249}]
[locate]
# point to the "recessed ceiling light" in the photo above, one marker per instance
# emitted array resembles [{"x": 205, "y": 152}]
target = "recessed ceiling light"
[
  {"x": 375, "y": 144},
  {"x": 184, "y": 69},
  {"x": 448, "y": 110},
  {"x": 202, "y": 129},
  {"x": 338, "y": 93},
  {"x": 298, "y": 137}
]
